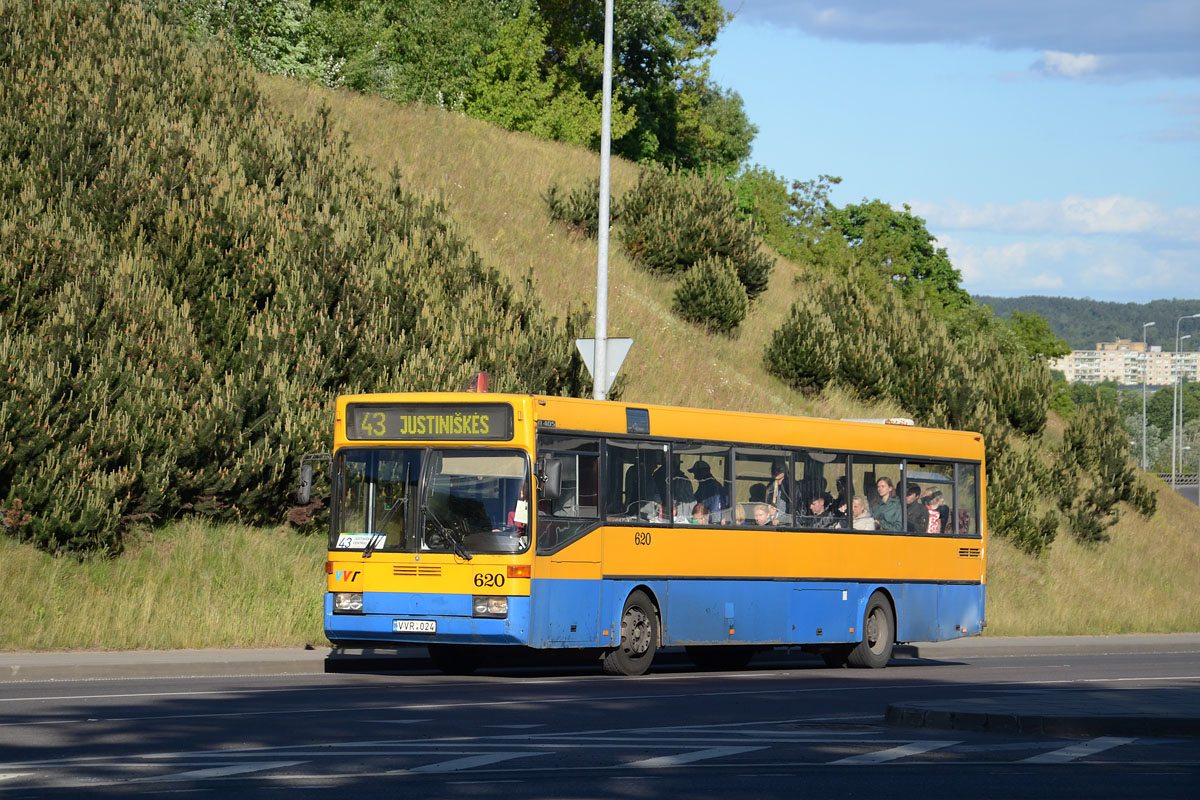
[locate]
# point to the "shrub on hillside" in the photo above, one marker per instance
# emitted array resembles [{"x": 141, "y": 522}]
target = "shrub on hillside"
[
  {"x": 711, "y": 295},
  {"x": 804, "y": 351},
  {"x": 673, "y": 220},
  {"x": 1095, "y": 444},
  {"x": 578, "y": 208},
  {"x": 189, "y": 280},
  {"x": 958, "y": 374}
]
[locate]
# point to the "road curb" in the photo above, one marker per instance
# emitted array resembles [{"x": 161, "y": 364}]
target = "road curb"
[{"x": 947, "y": 716}]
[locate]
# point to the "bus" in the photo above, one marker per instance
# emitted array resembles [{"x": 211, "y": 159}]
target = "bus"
[{"x": 468, "y": 522}]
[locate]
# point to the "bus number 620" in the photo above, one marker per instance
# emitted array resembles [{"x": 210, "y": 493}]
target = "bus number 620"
[
  {"x": 493, "y": 580},
  {"x": 641, "y": 538}
]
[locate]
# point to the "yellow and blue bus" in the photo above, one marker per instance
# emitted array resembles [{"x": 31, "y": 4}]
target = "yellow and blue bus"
[{"x": 468, "y": 521}]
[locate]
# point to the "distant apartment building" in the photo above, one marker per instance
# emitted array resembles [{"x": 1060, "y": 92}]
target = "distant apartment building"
[{"x": 1125, "y": 362}]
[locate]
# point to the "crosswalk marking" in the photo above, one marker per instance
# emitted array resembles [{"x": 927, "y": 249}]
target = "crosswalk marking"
[
  {"x": 688, "y": 758},
  {"x": 1079, "y": 750},
  {"x": 217, "y": 772},
  {"x": 469, "y": 762},
  {"x": 893, "y": 753}
]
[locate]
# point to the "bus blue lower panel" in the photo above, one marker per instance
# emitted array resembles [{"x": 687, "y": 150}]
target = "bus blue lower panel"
[
  {"x": 452, "y": 613},
  {"x": 583, "y": 613}
]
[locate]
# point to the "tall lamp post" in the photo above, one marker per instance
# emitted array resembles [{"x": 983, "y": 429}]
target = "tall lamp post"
[
  {"x": 1175, "y": 389},
  {"x": 1145, "y": 369},
  {"x": 1177, "y": 417}
]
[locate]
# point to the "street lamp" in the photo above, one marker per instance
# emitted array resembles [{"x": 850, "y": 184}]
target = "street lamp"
[
  {"x": 1175, "y": 389},
  {"x": 1145, "y": 369}
]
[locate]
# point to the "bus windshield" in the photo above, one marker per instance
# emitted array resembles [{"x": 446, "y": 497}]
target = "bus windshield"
[{"x": 441, "y": 500}]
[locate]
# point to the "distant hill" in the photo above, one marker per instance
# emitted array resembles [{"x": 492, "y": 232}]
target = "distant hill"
[{"x": 1084, "y": 322}]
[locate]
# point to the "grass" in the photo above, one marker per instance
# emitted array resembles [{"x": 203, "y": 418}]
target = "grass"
[
  {"x": 194, "y": 584},
  {"x": 190, "y": 584}
]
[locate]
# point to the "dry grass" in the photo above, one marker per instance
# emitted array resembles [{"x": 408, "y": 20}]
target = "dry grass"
[
  {"x": 187, "y": 585},
  {"x": 1142, "y": 581}
]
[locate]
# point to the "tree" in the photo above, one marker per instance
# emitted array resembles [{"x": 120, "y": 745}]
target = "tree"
[
  {"x": 1035, "y": 335},
  {"x": 661, "y": 54},
  {"x": 898, "y": 247}
]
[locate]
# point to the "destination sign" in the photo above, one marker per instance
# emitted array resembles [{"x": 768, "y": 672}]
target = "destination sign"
[{"x": 439, "y": 421}]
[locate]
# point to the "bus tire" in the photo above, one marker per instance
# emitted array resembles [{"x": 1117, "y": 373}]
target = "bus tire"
[
  {"x": 456, "y": 659},
  {"x": 720, "y": 656},
  {"x": 879, "y": 633},
  {"x": 639, "y": 638}
]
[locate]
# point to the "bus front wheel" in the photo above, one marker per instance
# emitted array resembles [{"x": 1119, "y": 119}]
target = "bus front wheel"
[
  {"x": 639, "y": 638},
  {"x": 878, "y": 632}
]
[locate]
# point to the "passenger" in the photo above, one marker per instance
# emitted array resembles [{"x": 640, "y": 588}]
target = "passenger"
[
  {"x": 758, "y": 493},
  {"x": 708, "y": 489},
  {"x": 843, "y": 500},
  {"x": 863, "y": 521},
  {"x": 778, "y": 491},
  {"x": 821, "y": 513},
  {"x": 763, "y": 515},
  {"x": 700, "y": 515},
  {"x": 887, "y": 512},
  {"x": 682, "y": 490},
  {"x": 939, "y": 512},
  {"x": 915, "y": 510}
]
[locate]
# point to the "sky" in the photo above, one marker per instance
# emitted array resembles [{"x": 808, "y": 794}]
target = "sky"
[{"x": 1051, "y": 146}]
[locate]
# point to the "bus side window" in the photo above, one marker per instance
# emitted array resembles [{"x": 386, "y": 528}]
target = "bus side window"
[{"x": 965, "y": 516}]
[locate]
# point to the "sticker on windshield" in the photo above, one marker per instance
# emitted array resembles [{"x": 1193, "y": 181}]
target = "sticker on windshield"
[{"x": 358, "y": 541}]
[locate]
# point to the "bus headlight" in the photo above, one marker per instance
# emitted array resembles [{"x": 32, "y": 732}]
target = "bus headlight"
[
  {"x": 490, "y": 606},
  {"x": 347, "y": 602}
]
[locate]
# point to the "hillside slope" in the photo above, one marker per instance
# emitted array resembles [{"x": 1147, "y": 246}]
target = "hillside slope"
[{"x": 492, "y": 181}]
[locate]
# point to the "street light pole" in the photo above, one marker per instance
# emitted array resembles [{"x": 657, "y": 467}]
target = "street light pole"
[
  {"x": 1177, "y": 427},
  {"x": 1145, "y": 369},
  {"x": 1175, "y": 388},
  {"x": 600, "y": 356}
]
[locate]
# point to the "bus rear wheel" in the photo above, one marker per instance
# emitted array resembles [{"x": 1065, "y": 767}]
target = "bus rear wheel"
[
  {"x": 879, "y": 632},
  {"x": 456, "y": 659},
  {"x": 639, "y": 638}
]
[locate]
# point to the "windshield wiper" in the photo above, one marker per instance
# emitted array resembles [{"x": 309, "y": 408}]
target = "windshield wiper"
[
  {"x": 448, "y": 536},
  {"x": 376, "y": 538},
  {"x": 401, "y": 503}
]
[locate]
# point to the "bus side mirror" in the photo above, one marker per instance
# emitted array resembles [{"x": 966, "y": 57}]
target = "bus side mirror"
[
  {"x": 551, "y": 478},
  {"x": 304, "y": 490}
]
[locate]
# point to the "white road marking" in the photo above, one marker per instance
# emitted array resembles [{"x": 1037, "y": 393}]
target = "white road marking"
[
  {"x": 217, "y": 772},
  {"x": 893, "y": 753},
  {"x": 517, "y": 727},
  {"x": 1077, "y": 750},
  {"x": 470, "y": 762},
  {"x": 688, "y": 758},
  {"x": 8, "y": 776}
]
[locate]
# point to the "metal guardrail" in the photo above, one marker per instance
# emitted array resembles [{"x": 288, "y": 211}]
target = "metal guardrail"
[{"x": 1181, "y": 478}]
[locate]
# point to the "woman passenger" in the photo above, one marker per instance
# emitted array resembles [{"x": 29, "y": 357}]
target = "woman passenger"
[
  {"x": 888, "y": 512},
  {"x": 863, "y": 521},
  {"x": 700, "y": 514}
]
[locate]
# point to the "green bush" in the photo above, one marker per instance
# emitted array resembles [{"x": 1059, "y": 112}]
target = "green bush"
[
  {"x": 579, "y": 208},
  {"x": 711, "y": 295},
  {"x": 189, "y": 280},
  {"x": 672, "y": 220}
]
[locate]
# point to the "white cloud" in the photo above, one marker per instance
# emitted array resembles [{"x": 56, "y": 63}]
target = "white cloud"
[
  {"x": 1130, "y": 38},
  {"x": 1068, "y": 65},
  {"x": 1112, "y": 268},
  {"x": 1073, "y": 215}
]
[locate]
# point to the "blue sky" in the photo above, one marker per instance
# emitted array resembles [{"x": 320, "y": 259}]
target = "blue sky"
[{"x": 1052, "y": 146}]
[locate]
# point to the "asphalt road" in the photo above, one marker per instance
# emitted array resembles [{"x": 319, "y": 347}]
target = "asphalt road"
[{"x": 782, "y": 728}]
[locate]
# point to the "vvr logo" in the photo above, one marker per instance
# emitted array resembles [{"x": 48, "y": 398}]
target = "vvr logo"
[{"x": 345, "y": 575}]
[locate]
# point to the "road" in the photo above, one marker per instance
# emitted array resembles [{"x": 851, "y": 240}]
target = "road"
[{"x": 781, "y": 728}]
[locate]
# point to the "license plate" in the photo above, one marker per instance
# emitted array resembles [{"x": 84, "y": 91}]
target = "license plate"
[{"x": 414, "y": 626}]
